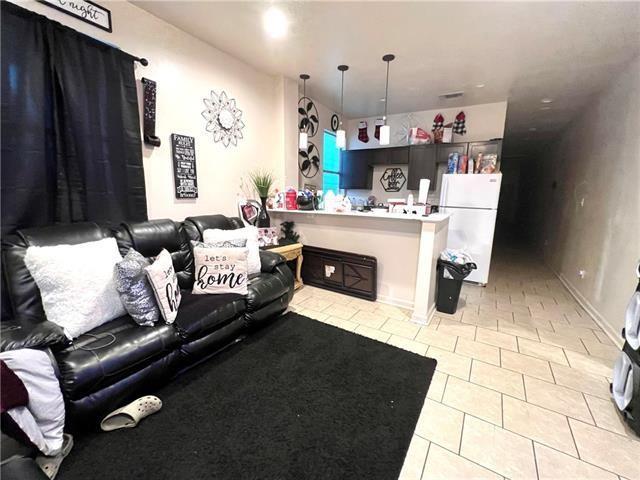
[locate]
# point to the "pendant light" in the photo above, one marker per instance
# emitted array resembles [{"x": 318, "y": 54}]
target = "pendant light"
[
  {"x": 385, "y": 130},
  {"x": 303, "y": 138},
  {"x": 341, "y": 135}
]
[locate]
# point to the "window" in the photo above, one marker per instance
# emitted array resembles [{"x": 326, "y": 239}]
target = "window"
[{"x": 331, "y": 163}]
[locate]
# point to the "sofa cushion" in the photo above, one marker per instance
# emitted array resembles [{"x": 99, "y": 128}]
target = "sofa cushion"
[
  {"x": 199, "y": 314},
  {"x": 111, "y": 352}
]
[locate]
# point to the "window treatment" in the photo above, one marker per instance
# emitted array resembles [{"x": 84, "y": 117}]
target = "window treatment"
[{"x": 71, "y": 145}]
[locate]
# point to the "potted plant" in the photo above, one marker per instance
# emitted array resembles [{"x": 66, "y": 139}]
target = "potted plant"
[{"x": 262, "y": 182}]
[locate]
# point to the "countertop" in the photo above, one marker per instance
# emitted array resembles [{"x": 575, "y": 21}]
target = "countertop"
[{"x": 433, "y": 218}]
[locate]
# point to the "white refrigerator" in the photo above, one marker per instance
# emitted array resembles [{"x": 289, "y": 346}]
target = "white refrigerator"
[{"x": 472, "y": 201}]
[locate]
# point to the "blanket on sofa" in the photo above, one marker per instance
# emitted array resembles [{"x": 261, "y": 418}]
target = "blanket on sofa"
[{"x": 42, "y": 418}]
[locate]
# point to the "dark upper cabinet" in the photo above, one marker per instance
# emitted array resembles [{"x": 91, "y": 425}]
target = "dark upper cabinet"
[
  {"x": 377, "y": 156},
  {"x": 397, "y": 155},
  {"x": 445, "y": 149},
  {"x": 494, "y": 146},
  {"x": 422, "y": 164},
  {"x": 356, "y": 171}
]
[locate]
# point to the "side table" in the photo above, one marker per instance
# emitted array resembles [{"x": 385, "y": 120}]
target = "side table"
[{"x": 292, "y": 252}]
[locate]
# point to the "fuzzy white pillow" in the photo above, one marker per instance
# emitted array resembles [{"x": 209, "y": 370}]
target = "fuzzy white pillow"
[
  {"x": 76, "y": 283},
  {"x": 213, "y": 235}
]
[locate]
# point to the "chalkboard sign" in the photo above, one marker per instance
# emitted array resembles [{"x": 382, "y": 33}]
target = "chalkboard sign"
[{"x": 183, "y": 149}]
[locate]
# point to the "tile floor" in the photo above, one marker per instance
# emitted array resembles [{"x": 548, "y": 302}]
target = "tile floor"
[{"x": 522, "y": 385}]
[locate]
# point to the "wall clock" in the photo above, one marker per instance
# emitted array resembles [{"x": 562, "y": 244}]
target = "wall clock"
[
  {"x": 309, "y": 161},
  {"x": 335, "y": 122},
  {"x": 308, "y": 116},
  {"x": 224, "y": 118}
]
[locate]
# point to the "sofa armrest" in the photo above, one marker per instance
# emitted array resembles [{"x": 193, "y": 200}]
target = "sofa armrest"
[
  {"x": 28, "y": 332},
  {"x": 270, "y": 260}
]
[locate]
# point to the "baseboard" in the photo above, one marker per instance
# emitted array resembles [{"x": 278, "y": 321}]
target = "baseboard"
[
  {"x": 396, "y": 302},
  {"x": 613, "y": 335}
]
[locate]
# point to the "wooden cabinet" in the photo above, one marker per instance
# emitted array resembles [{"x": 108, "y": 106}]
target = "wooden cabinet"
[
  {"x": 494, "y": 146},
  {"x": 388, "y": 156},
  {"x": 356, "y": 171},
  {"x": 445, "y": 149},
  {"x": 422, "y": 164}
]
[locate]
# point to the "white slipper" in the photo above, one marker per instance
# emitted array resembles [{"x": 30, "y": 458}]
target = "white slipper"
[
  {"x": 129, "y": 415},
  {"x": 51, "y": 465}
]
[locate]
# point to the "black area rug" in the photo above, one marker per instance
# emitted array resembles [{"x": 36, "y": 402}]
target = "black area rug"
[{"x": 298, "y": 400}]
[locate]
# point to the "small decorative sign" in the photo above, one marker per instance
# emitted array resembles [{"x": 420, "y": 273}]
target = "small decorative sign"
[
  {"x": 183, "y": 150},
  {"x": 393, "y": 179},
  {"x": 87, "y": 11}
]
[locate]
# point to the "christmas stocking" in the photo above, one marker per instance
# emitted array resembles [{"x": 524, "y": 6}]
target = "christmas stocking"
[
  {"x": 459, "y": 126},
  {"x": 379, "y": 123},
  {"x": 363, "y": 136}
]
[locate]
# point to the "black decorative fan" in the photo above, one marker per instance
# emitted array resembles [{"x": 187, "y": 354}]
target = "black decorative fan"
[
  {"x": 308, "y": 114},
  {"x": 309, "y": 161}
]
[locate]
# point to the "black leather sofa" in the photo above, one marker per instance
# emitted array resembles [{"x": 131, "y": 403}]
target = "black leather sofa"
[{"x": 119, "y": 361}]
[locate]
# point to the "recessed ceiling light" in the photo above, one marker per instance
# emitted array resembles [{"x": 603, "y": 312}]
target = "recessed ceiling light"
[
  {"x": 382, "y": 100},
  {"x": 275, "y": 23},
  {"x": 533, "y": 129},
  {"x": 545, "y": 108},
  {"x": 480, "y": 85},
  {"x": 546, "y": 100}
]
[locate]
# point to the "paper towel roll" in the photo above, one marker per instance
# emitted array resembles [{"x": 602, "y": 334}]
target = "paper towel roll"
[{"x": 423, "y": 193}]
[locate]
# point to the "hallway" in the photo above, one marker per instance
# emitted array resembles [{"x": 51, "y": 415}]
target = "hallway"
[{"x": 522, "y": 384}]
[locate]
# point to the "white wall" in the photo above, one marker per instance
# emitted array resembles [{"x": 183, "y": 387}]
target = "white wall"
[
  {"x": 484, "y": 122},
  {"x": 186, "y": 69},
  {"x": 597, "y": 159}
]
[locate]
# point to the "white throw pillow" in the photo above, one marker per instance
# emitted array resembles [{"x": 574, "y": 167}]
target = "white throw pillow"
[
  {"x": 164, "y": 281},
  {"x": 76, "y": 283},
  {"x": 213, "y": 235},
  {"x": 220, "y": 270}
]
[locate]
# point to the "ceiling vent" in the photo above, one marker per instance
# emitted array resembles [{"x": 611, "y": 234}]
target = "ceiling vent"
[{"x": 450, "y": 95}]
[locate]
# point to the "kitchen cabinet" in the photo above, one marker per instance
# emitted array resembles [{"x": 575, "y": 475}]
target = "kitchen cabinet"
[
  {"x": 493, "y": 146},
  {"x": 356, "y": 171},
  {"x": 445, "y": 149},
  {"x": 388, "y": 156},
  {"x": 422, "y": 164}
]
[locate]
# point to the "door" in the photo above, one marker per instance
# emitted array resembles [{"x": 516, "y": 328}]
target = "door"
[
  {"x": 445, "y": 149},
  {"x": 471, "y": 191},
  {"x": 356, "y": 172},
  {"x": 422, "y": 164},
  {"x": 472, "y": 230}
]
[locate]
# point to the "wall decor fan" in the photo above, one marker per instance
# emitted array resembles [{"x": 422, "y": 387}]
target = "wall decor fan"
[
  {"x": 224, "y": 118},
  {"x": 308, "y": 117},
  {"x": 309, "y": 161}
]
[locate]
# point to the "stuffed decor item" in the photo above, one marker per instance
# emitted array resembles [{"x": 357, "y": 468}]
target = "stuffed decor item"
[
  {"x": 438, "y": 123},
  {"x": 135, "y": 290},
  {"x": 164, "y": 281},
  {"x": 459, "y": 125},
  {"x": 250, "y": 233},
  {"x": 220, "y": 270},
  {"x": 76, "y": 284},
  {"x": 363, "y": 135}
]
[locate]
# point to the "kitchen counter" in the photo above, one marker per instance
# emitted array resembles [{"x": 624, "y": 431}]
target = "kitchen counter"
[{"x": 406, "y": 248}]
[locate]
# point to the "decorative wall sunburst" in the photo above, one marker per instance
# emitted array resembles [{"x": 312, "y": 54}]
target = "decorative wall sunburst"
[{"x": 224, "y": 118}]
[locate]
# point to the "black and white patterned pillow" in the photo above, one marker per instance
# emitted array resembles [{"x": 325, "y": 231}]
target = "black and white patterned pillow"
[{"x": 234, "y": 243}]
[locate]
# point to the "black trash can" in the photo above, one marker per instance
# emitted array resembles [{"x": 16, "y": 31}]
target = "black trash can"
[{"x": 448, "y": 286}]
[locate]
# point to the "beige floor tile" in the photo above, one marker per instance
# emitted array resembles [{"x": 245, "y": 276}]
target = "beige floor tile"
[
  {"x": 373, "y": 333},
  {"x": 406, "y": 344},
  {"x": 532, "y": 322},
  {"x": 479, "y": 351},
  {"x": 440, "y": 424},
  {"x": 512, "y": 328},
  {"x": 316, "y": 303},
  {"x": 607, "y": 450},
  {"x": 473, "y": 399},
  {"x": 369, "y": 319},
  {"x": 538, "y": 424},
  {"x": 606, "y": 415},
  {"x": 513, "y": 308},
  {"x": 341, "y": 323},
  {"x": 402, "y": 328},
  {"x": 414, "y": 461},
  {"x": 531, "y": 366},
  {"x": 603, "y": 337},
  {"x": 313, "y": 314},
  {"x": 542, "y": 351},
  {"x": 479, "y": 301},
  {"x": 589, "y": 364},
  {"x": 493, "y": 312},
  {"x": 444, "y": 465},
  {"x": 592, "y": 384},
  {"x": 451, "y": 363},
  {"x": 478, "y": 320},
  {"x": 363, "y": 305},
  {"x": 582, "y": 322},
  {"x": 437, "y": 339},
  {"x": 497, "y": 339},
  {"x": 436, "y": 387},
  {"x": 598, "y": 349},
  {"x": 459, "y": 329},
  {"x": 341, "y": 311},
  {"x": 392, "y": 311},
  {"x": 570, "y": 343},
  {"x": 497, "y": 378},
  {"x": 553, "y": 465},
  {"x": 497, "y": 449},
  {"x": 557, "y": 398},
  {"x": 573, "y": 331}
]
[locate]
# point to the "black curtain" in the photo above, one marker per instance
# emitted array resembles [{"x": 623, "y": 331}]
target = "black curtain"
[{"x": 71, "y": 146}]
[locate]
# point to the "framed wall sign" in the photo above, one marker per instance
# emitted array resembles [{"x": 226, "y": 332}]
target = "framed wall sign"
[
  {"x": 85, "y": 10},
  {"x": 393, "y": 179},
  {"x": 183, "y": 150}
]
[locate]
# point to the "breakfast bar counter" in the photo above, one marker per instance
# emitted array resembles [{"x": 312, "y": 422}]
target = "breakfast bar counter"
[{"x": 406, "y": 247}]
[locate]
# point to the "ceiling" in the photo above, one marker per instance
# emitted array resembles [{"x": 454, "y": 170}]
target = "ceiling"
[{"x": 521, "y": 52}]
